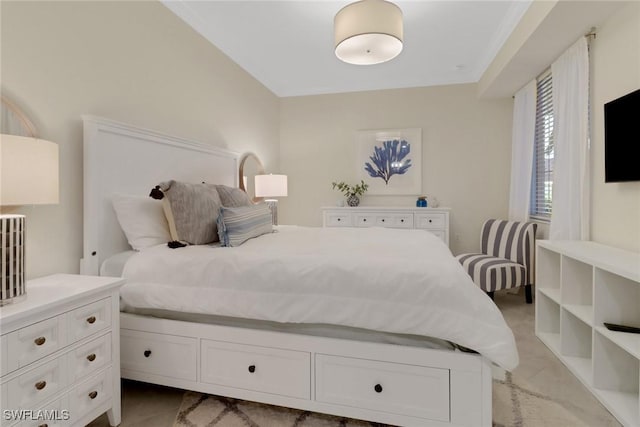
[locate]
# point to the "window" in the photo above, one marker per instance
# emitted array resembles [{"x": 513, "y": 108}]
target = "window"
[{"x": 542, "y": 179}]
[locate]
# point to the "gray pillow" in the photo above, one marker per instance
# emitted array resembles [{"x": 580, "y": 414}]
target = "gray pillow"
[
  {"x": 191, "y": 209},
  {"x": 233, "y": 197}
]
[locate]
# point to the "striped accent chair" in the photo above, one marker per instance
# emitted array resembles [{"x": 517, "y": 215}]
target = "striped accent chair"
[{"x": 507, "y": 258}]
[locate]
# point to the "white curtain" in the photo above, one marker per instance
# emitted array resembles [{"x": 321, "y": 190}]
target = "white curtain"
[
  {"x": 570, "y": 205},
  {"x": 522, "y": 148}
]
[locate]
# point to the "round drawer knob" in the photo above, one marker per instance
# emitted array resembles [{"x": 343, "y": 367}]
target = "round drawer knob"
[
  {"x": 378, "y": 388},
  {"x": 147, "y": 353},
  {"x": 43, "y": 425},
  {"x": 383, "y": 220},
  {"x": 91, "y": 320},
  {"x": 40, "y": 385},
  {"x": 93, "y": 395},
  {"x": 252, "y": 368},
  {"x": 430, "y": 220},
  {"x": 40, "y": 340},
  {"x": 339, "y": 219},
  {"x": 365, "y": 220},
  {"x": 91, "y": 357},
  {"x": 402, "y": 220}
]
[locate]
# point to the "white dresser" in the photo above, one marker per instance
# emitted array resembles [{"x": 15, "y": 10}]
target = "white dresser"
[
  {"x": 60, "y": 352},
  {"x": 435, "y": 220}
]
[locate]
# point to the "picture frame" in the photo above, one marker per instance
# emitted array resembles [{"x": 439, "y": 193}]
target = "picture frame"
[{"x": 390, "y": 161}]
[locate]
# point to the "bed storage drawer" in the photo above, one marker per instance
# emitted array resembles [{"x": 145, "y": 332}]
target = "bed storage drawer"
[
  {"x": 159, "y": 354},
  {"x": 417, "y": 391},
  {"x": 265, "y": 369}
]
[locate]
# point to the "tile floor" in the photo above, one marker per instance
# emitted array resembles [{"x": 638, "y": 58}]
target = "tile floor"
[{"x": 146, "y": 404}]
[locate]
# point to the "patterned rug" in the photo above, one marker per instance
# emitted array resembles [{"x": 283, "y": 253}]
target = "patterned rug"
[{"x": 513, "y": 405}]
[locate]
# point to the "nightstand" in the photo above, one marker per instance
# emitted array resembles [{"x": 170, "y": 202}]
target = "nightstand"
[{"x": 60, "y": 352}]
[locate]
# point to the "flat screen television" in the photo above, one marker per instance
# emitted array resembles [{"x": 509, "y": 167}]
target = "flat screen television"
[{"x": 622, "y": 138}]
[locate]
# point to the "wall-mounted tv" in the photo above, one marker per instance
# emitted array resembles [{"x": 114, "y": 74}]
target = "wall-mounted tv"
[{"x": 622, "y": 138}]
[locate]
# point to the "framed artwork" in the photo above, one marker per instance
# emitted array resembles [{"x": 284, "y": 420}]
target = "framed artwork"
[{"x": 390, "y": 161}]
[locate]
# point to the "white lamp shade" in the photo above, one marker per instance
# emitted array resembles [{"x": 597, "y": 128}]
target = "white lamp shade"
[
  {"x": 271, "y": 185},
  {"x": 28, "y": 171},
  {"x": 368, "y": 32}
]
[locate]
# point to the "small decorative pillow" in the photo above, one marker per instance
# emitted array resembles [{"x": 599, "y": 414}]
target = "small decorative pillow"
[
  {"x": 237, "y": 225},
  {"x": 142, "y": 220},
  {"x": 233, "y": 197},
  {"x": 191, "y": 211}
]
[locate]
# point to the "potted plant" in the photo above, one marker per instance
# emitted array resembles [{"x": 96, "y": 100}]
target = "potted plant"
[{"x": 351, "y": 192}]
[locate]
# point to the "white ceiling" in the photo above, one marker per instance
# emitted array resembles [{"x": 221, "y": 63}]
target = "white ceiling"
[{"x": 288, "y": 45}]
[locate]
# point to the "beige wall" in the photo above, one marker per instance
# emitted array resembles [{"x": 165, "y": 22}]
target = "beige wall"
[
  {"x": 615, "y": 71},
  {"x": 134, "y": 62},
  {"x": 466, "y": 151}
]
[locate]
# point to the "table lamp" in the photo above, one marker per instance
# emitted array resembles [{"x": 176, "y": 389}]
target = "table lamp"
[
  {"x": 28, "y": 176},
  {"x": 269, "y": 186}
]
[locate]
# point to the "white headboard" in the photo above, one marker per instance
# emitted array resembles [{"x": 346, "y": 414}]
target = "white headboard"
[{"x": 119, "y": 158}]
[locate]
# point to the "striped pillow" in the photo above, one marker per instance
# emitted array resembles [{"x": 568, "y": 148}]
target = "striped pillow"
[{"x": 237, "y": 225}]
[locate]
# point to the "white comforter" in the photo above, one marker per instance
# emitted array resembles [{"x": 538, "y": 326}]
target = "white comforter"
[{"x": 400, "y": 281}]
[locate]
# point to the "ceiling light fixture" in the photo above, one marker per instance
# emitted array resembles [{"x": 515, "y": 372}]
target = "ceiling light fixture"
[{"x": 368, "y": 32}]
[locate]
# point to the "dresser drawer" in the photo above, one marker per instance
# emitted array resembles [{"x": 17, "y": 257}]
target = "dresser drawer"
[
  {"x": 33, "y": 387},
  {"x": 4, "y": 354},
  {"x": 57, "y": 413},
  {"x": 89, "y": 358},
  {"x": 159, "y": 354},
  {"x": 338, "y": 220},
  {"x": 430, "y": 220},
  {"x": 381, "y": 386},
  {"x": 395, "y": 220},
  {"x": 88, "y": 319},
  {"x": 364, "y": 220},
  {"x": 35, "y": 341},
  {"x": 269, "y": 370},
  {"x": 90, "y": 394}
]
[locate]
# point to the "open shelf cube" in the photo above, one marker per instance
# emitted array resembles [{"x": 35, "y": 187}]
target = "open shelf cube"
[
  {"x": 548, "y": 268},
  {"x": 577, "y": 282},
  {"x": 617, "y": 299}
]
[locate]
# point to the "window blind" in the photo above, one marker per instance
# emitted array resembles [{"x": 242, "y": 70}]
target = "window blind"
[{"x": 542, "y": 180}]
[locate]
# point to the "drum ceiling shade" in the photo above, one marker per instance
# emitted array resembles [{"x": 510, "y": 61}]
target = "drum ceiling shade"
[{"x": 368, "y": 32}]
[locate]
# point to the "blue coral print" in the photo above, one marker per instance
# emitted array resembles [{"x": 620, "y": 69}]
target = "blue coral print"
[{"x": 389, "y": 160}]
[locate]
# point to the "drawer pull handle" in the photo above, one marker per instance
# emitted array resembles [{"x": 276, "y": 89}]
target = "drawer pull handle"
[
  {"x": 383, "y": 220},
  {"x": 365, "y": 220},
  {"x": 430, "y": 220},
  {"x": 252, "y": 368},
  {"x": 378, "y": 388},
  {"x": 339, "y": 219},
  {"x": 40, "y": 340},
  {"x": 40, "y": 385},
  {"x": 91, "y": 357},
  {"x": 402, "y": 220},
  {"x": 43, "y": 425},
  {"x": 147, "y": 353},
  {"x": 93, "y": 394},
  {"x": 91, "y": 320}
]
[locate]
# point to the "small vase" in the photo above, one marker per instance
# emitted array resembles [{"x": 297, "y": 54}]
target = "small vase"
[{"x": 353, "y": 201}]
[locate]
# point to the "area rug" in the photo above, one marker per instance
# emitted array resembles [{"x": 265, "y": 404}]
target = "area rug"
[{"x": 513, "y": 405}]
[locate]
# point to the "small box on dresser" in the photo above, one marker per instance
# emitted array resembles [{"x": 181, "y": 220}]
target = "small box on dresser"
[
  {"x": 579, "y": 286},
  {"x": 434, "y": 220},
  {"x": 60, "y": 352}
]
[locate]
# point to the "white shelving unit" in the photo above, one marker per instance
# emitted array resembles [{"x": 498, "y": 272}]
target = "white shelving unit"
[{"x": 579, "y": 286}]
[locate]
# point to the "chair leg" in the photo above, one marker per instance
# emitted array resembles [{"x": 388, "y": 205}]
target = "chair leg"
[
  {"x": 527, "y": 294},
  {"x": 490, "y": 295}
]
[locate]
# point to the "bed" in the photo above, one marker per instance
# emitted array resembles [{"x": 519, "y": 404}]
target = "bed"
[{"x": 281, "y": 329}]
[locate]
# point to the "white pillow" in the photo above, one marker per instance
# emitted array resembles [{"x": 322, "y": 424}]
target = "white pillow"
[{"x": 142, "y": 219}]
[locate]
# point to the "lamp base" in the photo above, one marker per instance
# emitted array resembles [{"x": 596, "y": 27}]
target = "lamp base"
[
  {"x": 273, "y": 205},
  {"x": 12, "y": 260}
]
